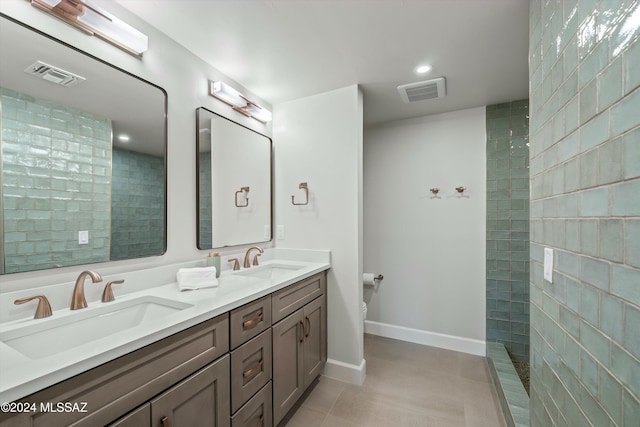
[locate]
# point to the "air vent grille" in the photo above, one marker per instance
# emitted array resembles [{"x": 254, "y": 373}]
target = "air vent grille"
[
  {"x": 53, "y": 74},
  {"x": 430, "y": 89}
]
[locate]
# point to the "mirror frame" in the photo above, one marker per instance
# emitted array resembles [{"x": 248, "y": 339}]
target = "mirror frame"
[
  {"x": 165, "y": 143},
  {"x": 271, "y": 186}
]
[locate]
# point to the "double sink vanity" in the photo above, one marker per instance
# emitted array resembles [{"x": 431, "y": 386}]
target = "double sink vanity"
[{"x": 239, "y": 354}]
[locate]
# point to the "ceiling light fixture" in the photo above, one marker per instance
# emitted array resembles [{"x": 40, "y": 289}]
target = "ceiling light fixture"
[
  {"x": 238, "y": 102},
  {"x": 123, "y": 137},
  {"x": 423, "y": 69},
  {"x": 96, "y": 22}
]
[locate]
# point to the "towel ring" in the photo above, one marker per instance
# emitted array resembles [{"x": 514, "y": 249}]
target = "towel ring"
[
  {"x": 302, "y": 186},
  {"x": 242, "y": 190}
]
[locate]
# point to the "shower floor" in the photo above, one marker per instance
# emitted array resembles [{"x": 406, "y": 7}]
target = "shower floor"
[{"x": 522, "y": 369}]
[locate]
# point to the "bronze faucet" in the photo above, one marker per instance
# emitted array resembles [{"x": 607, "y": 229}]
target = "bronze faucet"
[
  {"x": 44, "y": 308},
  {"x": 78, "y": 300},
  {"x": 247, "y": 263}
]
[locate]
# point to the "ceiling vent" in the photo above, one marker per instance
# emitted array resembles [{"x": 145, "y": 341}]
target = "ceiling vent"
[
  {"x": 430, "y": 89},
  {"x": 53, "y": 74}
]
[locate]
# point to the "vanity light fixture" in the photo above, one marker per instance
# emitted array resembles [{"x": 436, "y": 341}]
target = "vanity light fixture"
[
  {"x": 123, "y": 138},
  {"x": 238, "y": 102},
  {"x": 96, "y": 22}
]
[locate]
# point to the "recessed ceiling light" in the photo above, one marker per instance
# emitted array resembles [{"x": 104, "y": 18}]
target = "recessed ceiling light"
[
  {"x": 124, "y": 138},
  {"x": 422, "y": 69}
]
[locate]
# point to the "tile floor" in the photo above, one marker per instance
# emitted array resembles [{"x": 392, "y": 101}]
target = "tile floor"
[{"x": 406, "y": 385}]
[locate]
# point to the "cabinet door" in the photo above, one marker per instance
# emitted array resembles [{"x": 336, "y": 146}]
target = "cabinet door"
[
  {"x": 137, "y": 418},
  {"x": 288, "y": 382},
  {"x": 315, "y": 339},
  {"x": 201, "y": 400}
]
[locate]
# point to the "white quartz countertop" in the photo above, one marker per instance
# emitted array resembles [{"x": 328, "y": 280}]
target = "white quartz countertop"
[{"x": 21, "y": 375}]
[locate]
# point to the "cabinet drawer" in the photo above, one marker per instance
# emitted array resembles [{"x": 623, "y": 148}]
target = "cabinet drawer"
[
  {"x": 121, "y": 385},
  {"x": 256, "y": 412},
  {"x": 250, "y": 369},
  {"x": 287, "y": 300},
  {"x": 249, "y": 320}
]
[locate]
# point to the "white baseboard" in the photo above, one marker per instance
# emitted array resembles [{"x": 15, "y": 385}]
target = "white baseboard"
[
  {"x": 346, "y": 372},
  {"x": 434, "y": 339}
]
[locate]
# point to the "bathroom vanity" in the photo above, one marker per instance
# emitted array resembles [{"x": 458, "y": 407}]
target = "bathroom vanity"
[{"x": 247, "y": 364}]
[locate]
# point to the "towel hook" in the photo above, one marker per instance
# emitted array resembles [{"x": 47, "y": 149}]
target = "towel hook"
[
  {"x": 302, "y": 186},
  {"x": 460, "y": 189},
  {"x": 435, "y": 190},
  {"x": 242, "y": 190}
]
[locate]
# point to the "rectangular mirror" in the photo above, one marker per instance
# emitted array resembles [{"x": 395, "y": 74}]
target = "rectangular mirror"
[
  {"x": 234, "y": 183},
  {"x": 82, "y": 159}
]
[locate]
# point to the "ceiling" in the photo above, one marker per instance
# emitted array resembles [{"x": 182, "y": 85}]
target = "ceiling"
[{"x": 288, "y": 49}]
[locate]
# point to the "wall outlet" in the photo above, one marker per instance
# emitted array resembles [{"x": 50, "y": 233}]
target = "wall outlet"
[
  {"x": 280, "y": 232},
  {"x": 83, "y": 237},
  {"x": 548, "y": 265}
]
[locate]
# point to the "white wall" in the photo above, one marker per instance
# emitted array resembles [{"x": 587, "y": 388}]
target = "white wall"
[
  {"x": 184, "y": 77},
  {"x": 318, "y": 140},
  {"x": 431, "y": 250}
]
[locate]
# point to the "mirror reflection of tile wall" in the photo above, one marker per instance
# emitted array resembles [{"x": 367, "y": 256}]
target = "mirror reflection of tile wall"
[{"x": 56, "y": 182}]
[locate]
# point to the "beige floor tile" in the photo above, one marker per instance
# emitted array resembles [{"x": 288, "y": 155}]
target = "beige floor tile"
[{"x": 407, "y": 385}]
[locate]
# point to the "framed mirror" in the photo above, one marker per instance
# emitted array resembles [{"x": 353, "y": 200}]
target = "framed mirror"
[
  {"x": 82, "y": 159},
  {"x": 234, "y": 183}
]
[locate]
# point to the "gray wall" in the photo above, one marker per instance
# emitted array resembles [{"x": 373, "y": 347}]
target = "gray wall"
[{"x": 585, "y": 204}]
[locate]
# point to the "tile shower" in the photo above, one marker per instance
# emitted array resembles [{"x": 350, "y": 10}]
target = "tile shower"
[{"x": 508, "y": 227}]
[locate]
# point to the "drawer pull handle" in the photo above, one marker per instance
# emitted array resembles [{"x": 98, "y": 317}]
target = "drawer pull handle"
[
  {"x": 307, "y": 322},
  {"x": 165, "y": 422},
  {"x": 253, "y": 322},
  {"x": 260, "y": 420},
  {"x": 252, "y": 370},
  {"x": 302, "y": 329}
]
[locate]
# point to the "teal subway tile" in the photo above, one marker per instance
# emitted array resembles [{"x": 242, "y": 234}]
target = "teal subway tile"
[
  {"x": 632, "y": 153},
  {"x": 630, "y": 58},
  {"x": 595, "y": 132},
  {"x": 589, "y": 304},
  {"x": 610, "y": 395},
  {"x": 594, "y": 202},
  {"x": 624, "y": 115},
  {"x": 631, "y": 335},
  {"x": 589, "y": 372},
  {"x": 589, "y": 237},
  {"x": 611, "y": 235},
  {"x": 595, "y": 272},
  {"x": 589, "y": 169},
  {"x": 610, "y": 84},
  {"x": 589, "y": 102},
  {"x": 611, "y": 316},
  {"x": 625, "y": 198},
  {"x": 632, "y": 242},
  {"x": 596, "y": 342},
  {"x": 611, "y": 162},
  {"x": 631, "y": 409},
  {"x": 626, "y": 368},
  {"x": 626, "y": 283}
]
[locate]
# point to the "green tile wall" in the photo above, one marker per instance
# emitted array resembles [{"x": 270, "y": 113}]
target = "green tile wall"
[
  {"x": 56, "y": 182},
  {"x": 137, "y": 204},
  {"x": 205, "y": 197},
  {"x": 508, "y": 226},
  {"x": 584, "y": 59}
]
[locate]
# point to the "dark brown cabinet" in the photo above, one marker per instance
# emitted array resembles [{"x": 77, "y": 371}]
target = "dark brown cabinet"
[
  {"x": 200, "y": 400},
  {"x": 233, "y": 370},
  {"x": 299, "y": 350}
]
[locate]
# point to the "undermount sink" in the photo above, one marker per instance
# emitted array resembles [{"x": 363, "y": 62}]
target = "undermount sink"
[
  {"x": 46, "y": 337},
  {"x": 270, "y": 271}
]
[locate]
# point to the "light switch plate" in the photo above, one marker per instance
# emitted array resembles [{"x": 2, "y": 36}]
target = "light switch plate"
[
  {"x": 280, "y": 232},
  {"x": 83, "y": 237},
  {"x": 548, "y": 265}
]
